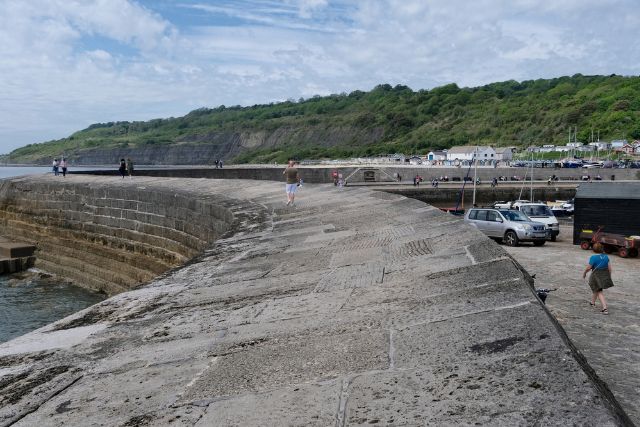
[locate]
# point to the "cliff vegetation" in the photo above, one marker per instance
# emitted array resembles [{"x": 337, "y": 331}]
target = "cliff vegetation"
[{"x": 384, "y": 120}]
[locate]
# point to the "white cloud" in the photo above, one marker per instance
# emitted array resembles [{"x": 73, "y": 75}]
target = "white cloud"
[{"x": 68, "y": 63}]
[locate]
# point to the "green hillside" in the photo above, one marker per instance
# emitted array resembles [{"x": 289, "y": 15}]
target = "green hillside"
[{"x": 506, "y": 113}]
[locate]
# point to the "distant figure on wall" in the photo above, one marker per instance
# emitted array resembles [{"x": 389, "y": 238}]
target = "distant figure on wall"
[
  {"x": 220, "y": 164},
  {"x": 217, "y": 163},
  {"x": 129, "y": 167},
  {"x": 123, "y": 168},
  {"x": 55, "y": 166},
  {"x": 63, "y": 166},
  {"x": 293, "y": 180}
]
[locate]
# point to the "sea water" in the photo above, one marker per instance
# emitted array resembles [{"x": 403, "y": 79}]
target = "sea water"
[
  {"x": 30, "y": 300},
  {"x": 11, "y": 171}
]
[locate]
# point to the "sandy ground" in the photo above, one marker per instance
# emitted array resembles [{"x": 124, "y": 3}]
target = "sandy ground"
[{"x": 610, "y": 343}]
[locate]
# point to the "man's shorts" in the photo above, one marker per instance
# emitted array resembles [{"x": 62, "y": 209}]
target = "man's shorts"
[{"x": 291, "y": 188}]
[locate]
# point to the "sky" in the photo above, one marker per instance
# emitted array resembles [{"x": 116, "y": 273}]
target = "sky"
[{"x": 66, "y": 64}]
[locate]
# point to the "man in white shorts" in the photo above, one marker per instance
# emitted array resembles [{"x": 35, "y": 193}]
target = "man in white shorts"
[{"x": 293, "y": 179}]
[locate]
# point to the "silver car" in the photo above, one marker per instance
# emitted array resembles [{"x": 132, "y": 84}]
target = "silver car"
[{"x": 510, "y": 226}]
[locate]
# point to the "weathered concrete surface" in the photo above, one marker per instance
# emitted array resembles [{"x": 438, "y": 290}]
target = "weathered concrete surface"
[
  {"x": 610, "y": 343},
  {"x": 353, "y": 307}
]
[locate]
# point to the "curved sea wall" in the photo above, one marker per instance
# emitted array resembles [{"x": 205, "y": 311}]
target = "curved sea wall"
[
  {"x": 352, "y": 307},
  {"x": 106, "y": 236},
  {"x": 373, "y": 173}
]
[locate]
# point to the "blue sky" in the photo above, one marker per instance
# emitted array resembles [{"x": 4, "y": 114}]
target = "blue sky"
[{"x": 69, "y": 63}]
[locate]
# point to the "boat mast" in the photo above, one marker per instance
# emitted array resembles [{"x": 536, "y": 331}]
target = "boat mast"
[
  {"x": 531, "y": 188},
  {"x": 475, "y": 175}
]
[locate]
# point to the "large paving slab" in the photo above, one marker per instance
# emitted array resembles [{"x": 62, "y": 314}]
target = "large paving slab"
[
  {"x": 610, "y": 343},
  {"x": 352, "y": 307}
]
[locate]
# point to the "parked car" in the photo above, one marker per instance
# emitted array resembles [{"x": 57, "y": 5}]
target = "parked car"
[
  {"x": 510, "y": 226},
  {"x": 540, "y": 212}
]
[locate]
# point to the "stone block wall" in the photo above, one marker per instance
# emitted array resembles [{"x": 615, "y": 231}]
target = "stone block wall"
[
  {"x": 382, "y": 173},
  {"x": 107, "y": 238}
]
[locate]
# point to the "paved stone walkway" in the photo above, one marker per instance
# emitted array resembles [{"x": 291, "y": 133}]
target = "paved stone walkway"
[
  {"x": 353, "y": 307},
  {"x": 610, "y": 343}
]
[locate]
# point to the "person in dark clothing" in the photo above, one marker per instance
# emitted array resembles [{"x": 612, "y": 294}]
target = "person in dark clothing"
[{"x": 123, "y": 168}]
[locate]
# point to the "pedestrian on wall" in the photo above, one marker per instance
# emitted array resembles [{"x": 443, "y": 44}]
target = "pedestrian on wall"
[
  {"x": 55, "y": 166},
  {"x": 123, "y": 168},
  {"x": 129, "y": 167},
  {"x": 63, "y": 166},
  {"x": 600, "y": 278},
  {"x": 293, "y": 179}
]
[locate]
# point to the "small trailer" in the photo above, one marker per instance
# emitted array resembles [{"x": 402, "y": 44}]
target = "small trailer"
[{"x": 625, "y": 246}]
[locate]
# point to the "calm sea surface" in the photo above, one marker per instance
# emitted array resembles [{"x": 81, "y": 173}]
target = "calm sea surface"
[
  {"x": 9, "y": 171},
  {"x": 29, "y": 301}
]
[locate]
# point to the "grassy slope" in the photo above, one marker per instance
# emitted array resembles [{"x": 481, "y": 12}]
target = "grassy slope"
[{"x": 506, "y": 113}]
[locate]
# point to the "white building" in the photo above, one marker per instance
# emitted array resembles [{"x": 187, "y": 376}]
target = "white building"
[
  {"x": 437, "y": 155},
  {"x": 504, "y": 153},
  {"x": 562, "y": 149},
  {"x": 618, "y": 143},
  {"x": 574, "y": 144},
  {"x": 467, "y": 152}
]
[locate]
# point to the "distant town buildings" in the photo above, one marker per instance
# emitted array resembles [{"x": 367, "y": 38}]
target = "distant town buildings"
[
  {"x": 437, "y": 155},
  {"x": 504, "y": 153},
  {"x": 467, "y": 152}
]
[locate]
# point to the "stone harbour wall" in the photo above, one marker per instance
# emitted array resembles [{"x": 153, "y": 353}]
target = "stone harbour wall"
[
  {"x": 353, "y": 307},
  {"x": 378, "y": 173},
  {"x": 110, "y": 238}
]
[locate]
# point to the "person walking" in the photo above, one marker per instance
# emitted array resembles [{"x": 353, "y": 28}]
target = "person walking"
[
  {"x": 55, "y": 166},
  {"x": 129, "y": 167},
  {"x": 63, "y": 166},
  {"x": 123, "y": 168},
  {"x": 293, "y": 179},
  {"x": 600, "y": 277}
]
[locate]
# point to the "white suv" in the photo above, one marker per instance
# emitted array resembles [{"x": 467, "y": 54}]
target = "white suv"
[
  {"x": 541, "y": 213},
  {"x": 510, "y": 226}
]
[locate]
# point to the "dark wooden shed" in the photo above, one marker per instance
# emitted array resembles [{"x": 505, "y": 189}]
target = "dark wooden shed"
[{"x": 614, "y": 206}]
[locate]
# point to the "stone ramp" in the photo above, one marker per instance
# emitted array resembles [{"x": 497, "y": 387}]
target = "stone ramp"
[{"x": 351, "y": 308}]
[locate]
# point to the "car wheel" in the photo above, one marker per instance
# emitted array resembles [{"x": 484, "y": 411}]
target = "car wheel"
[
  {"x": 511, "y": 238},
  {"x": 539, "y": 242}
]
